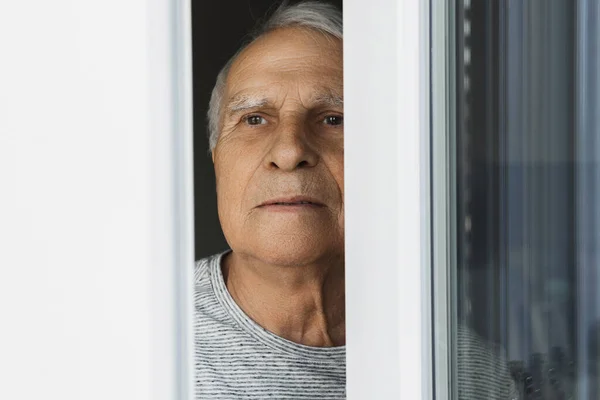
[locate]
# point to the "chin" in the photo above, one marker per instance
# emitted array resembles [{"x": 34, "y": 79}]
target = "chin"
[{"x": 292, "y": 250}]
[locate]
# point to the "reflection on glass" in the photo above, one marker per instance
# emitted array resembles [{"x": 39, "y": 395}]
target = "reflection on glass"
[{"x": 527, "y": 145}]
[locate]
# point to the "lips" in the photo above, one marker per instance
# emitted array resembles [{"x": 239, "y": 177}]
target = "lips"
[{"x": 292, "y": 201}]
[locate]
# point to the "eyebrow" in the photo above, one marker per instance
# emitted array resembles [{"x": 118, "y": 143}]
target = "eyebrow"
[
  {"x": 329, "y": 99},
  {"x": 245, "y": 102}
]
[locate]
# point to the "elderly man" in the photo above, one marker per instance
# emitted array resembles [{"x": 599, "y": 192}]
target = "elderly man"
[
  {"x": 270, "y": 316},
  {"x": 270, "y": 313}
]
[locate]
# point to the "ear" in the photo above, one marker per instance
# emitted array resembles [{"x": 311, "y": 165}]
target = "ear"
[{"x": 212, "y": 155}]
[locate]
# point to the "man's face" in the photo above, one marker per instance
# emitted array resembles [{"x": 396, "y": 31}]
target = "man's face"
[{"x": 282, "y": 139}]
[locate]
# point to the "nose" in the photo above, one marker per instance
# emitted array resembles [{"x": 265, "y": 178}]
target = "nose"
[{"x": 291, "y": 149}]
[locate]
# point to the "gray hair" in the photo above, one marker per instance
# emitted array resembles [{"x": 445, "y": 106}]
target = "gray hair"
[{"x": 321, "y": 17}]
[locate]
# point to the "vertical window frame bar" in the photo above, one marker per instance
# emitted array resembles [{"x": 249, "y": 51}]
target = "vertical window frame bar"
[
  {"x": 387, "y": 167},
  {"x": 443, "y": 197}
]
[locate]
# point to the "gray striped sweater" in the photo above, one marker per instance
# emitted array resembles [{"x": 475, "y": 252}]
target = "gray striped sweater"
[{"x": 235, "y": 358}]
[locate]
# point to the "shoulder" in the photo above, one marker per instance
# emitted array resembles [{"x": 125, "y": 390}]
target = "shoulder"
[
  {"x": 201, "y": 269},
  {"x": 209, "y": 298},
  {"x": 207, "y": 266},
  {"x": 205, "y": 284}
]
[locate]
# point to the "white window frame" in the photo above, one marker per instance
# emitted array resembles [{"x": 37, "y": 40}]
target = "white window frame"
[
  {"x": 387, "y": 208},
  {"x": 96, "y": 205}
]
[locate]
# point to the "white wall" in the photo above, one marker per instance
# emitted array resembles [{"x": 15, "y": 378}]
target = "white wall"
[{"x": 88, "y": 261}]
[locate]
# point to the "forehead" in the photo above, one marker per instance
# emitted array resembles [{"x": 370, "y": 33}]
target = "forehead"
[{"x": 284, "y": 58}]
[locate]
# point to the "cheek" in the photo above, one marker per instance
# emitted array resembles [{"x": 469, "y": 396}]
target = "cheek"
[
  {"x": 232, "y": 175},
  {"x": 335, "y": 160},
  {"x": 338, "y": 175},
  {"x": 227, "y": 194},
  {"x": 337, "y": 171},
  {"x": 335, "y": 164}
]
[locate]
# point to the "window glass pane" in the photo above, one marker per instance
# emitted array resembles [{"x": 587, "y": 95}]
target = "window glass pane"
[{"x": 526, "y": 275}]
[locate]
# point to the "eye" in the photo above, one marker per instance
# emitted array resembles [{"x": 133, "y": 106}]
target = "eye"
[
  {"x": 334, "y": 120},
  {"x": 254, "y": 120}
]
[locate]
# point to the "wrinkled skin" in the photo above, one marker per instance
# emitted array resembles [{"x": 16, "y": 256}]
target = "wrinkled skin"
[
  {"x": 288, "y": 147},
  {"x": 282, "y": 135}
]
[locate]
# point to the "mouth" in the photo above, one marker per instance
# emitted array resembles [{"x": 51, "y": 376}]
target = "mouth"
[{"x": 293, "y": 201}]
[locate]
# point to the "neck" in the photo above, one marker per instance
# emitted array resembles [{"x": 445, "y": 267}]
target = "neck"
[{"x": 304, "y": 304}]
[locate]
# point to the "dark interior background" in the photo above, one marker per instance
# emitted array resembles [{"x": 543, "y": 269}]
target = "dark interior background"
[{"x": 218, "y": 30}]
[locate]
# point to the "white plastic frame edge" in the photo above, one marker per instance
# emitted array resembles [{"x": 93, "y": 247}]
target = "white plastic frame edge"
[
  {"x": 170, "y": 75},
  {"x": 184, "y": 181},
  {"x": 387, "y": 157}
]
